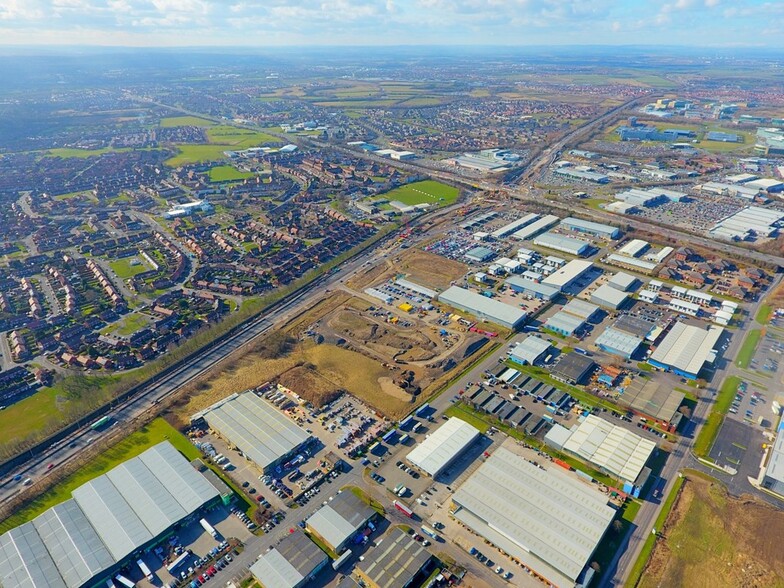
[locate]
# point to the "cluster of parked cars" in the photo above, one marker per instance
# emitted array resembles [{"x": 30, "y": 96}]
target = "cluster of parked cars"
[
  {"x": 273, "y": 520},
  {"x": 410, "y": 471},
  {"x": 378, "y": 478},
  {"x": 488, "y": 562},
  {"x": 278, "y": 488},
  {"x": 244, "y": 518},
  {"x": 210, "y": 571}
]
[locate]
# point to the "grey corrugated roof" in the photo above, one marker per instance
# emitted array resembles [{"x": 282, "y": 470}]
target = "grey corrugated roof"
[
  {"x": 187, "y": 486},
  {"x": 259, "y": 430},
  {"x": 395, "y": 562},
  {"x": 119, "y": 527},
  {"x": 289, "y": 562},
  {"x": 340, "y": 518},
  {"x": 483, "y": 307},
  {"x": 73, "y": 544},
  {"x": 443, "y": 445},
  {"x": 553, "y": 516},
  {"x": 25, "y": 562}
]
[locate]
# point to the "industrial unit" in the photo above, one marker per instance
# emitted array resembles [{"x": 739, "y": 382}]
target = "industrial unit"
[
  {"x": 582, "y": 309},
  {"x": 530, "y": 350},
  {"x": 109, "y": 520},
  {"x": 443, "y": 446},
  {"x": 536, "y": 227},
  {"x": 564, "y": 323},
  {"x": 607, "y": 296},
  {"x": 480, "y": 254},
  {"x": 538, "y": 290},
  {"x": 563, "y": 243},
  {"x": 751, "y": 222},
  {"x": 482, "y": 307},
  {"x": 623, "y": 282},
  {"x": 263, "y": 433},
  {"x": 396, "y": 563},
  {"x": 612, "y": 448},
  {"x": 573, "y": 368},
  {"x": 570, "y": 273},
  {"x": 773, "y": 478},
  {"x": 292, "y": 563},
  {"x": 591, "y": 228},
  {"x": 544, "y": 518},
  {"x": 338, "y": 521},
  {"x": 618, "y": 343},
  {"x": 686, "y": 349}
]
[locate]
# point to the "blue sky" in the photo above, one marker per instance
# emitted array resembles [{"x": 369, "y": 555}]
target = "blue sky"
[{"x": 725, "y": 23}]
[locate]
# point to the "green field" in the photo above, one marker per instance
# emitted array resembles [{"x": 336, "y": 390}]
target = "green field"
[
  {"x": 124, "y": 269},
  {"x": 746, "y": 352},
  {"x": 227, "y": 173},
  {"x": 67, "y": 153},
  {"x": 715, "y": 419},
  {"x": 186, "y": 121},
  {"x": 157, "y": 431},
  {"x": 221, "y": 138},
  {"x": 428, "y": 191},
  {"x": 129, "y": 325},
  {"x": 763, "y": 314}
]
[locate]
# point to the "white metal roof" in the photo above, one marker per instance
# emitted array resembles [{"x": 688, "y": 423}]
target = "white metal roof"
[
  {"x": 536, "y": 227},
  {"x": 631, "y": 261},
  {"x": 340, "y": 518},
  {"x": 563, "y": 276},
  {"x": 613, "y": 448},
  {"x": 606, "y": 295},
  {"x": 687, "y": 347},
  {"x": 624, "y": 343},
  {"x": 564, "y": 322},
  {"x": 544, "y": 512},
  {"x": 634, "y": 248},
  {"x": 443, "y": 445},
  {"x": 622, "y": 281},
  {"x": 562, "y": 243},
  {"x": 72, "y": 543},
  {"x": 261, "y": 431},
  {"x": 483, "y": 307},
  {"x": 275, "y": 571},
  {"x": 580, "y": 308},
  {"x": 26, "y": 563},
  {"x": 530, "y": 349},
  {"x": 775, "y": 468}
]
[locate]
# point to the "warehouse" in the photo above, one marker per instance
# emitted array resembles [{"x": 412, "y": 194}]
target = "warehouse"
[
  {"x": 612, "y": 448},
  {"x": 396, "y": 562},
  {"x": 480, "y": 254},
  {"x": 514, "y": 226},
  {"x": 292, "y": 563},
  {"x": 482, "y": 307},
  {"x": 548, "y": 520},
  {"x": 109, "y": 518},
  {"x": 634, "y": 248},
  {"x": 647, "y": 396},
  {"x": 686, "y": 349},
  {"x": 567, "y": 275},
  {"x": 523, "y": 285},
  {"x": 264, "y": 434},
  {"x": 338, "y": 521},
  {"x": 562, "y": 243},
  {"x": 773, "y": 478},
  {"x": 530, "y": 350},
  {"x": 414, "y": 287},
  {"x": 564, "y": 324},
  {"x": 607, "y": 296},
  {"x": 624, "y": 282},
  {"x": 573, "y": 368},
  {"x": 536, "y": 227},
  {"x": 635, "y": 325},
  {"x": 590, "y": 228},
  {"x": 618, "y": 343},
  {"x": 582, "y": 309},
  {"x": 443, "y": 446},
  {"x": 633, "y": 263},
  {"x": 684, "y": 307}
]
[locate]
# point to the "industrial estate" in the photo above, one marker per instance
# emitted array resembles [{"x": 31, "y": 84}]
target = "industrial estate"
[{"x": 332, "y": 325}]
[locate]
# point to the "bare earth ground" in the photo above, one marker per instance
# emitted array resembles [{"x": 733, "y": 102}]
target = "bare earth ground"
[
  {"x": 427, "y": 269},
  {"x": 712, "y": 540}
]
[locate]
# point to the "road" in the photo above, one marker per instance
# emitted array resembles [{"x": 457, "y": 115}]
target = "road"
[{"x": 681, "y": 457}]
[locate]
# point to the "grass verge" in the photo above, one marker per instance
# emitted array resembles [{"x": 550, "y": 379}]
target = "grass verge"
[
  {"x": 748, "y": 348},
  {"x": 639, "y": 566},
  {"x": 715, "y": 419}
]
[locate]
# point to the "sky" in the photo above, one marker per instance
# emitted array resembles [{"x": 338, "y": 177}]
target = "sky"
[{"x": 260, "y": 23}]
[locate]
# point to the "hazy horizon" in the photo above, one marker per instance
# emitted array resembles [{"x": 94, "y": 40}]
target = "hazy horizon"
[{"x": 394, "y": 23}]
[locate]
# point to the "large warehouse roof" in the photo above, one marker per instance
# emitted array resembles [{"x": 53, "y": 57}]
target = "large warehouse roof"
[
  {"x": 564, "y": 276},
  {"x": 73, "y": 544},
  {"x": 505, "y": 315},
  {"x": 289, "y": 562},
  {"x": 562, "y": 243},
  {"x": 530, "y": 349},
  {"x": 108, "y": 518},
  {"x": 687, "y": 348},
  {"x": 446, "y": 443},
  {"x": 340, "y": 518},
  {"x": 262, "y": 432},
  {"x": 611, "y": 447},
  {"x": 529, "y": 511},
  {"x": 395, "y": 562},
  {"x": 606, "y": 295}
]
